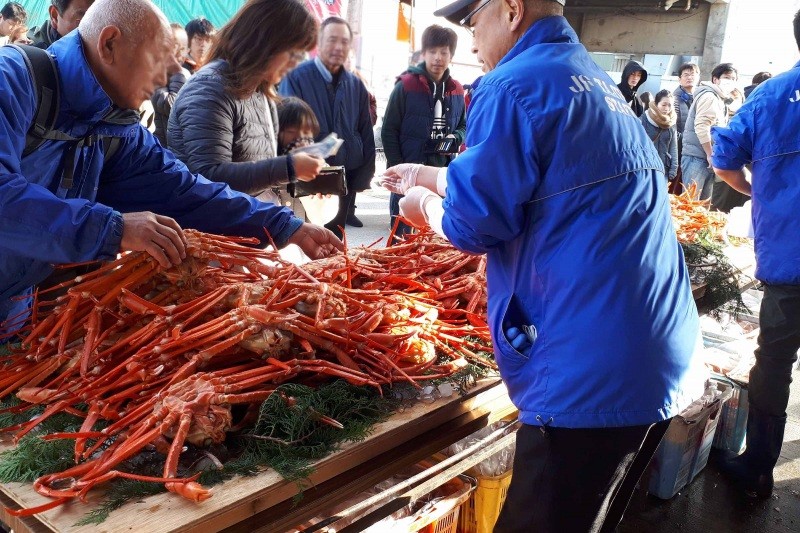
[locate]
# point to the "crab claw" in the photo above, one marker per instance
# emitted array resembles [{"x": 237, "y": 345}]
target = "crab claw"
[{"x": 191, "y": 491}]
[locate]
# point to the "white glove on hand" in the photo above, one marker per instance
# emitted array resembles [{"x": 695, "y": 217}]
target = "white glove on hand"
[
  {"x": 400, "y": 178},
  {"x": 412, "y": 206}
]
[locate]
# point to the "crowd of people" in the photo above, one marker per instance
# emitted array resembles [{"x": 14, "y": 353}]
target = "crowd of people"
[
  {"x": 573, "y": 238},
  {"x": 680, "y": 124}
]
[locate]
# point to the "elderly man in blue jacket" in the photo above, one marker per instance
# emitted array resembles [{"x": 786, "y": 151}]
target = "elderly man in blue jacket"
[
  {"x": 590, "y": 304},
  {"x": 64, "y": 203},
  {"x": 763, "y": 133},
  {"x": 341, "y": 103}
]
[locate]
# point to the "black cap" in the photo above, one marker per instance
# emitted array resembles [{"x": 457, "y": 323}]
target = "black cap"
[
  {"x": 454, "y": 12},
  {"x": 458, "y": 10}
]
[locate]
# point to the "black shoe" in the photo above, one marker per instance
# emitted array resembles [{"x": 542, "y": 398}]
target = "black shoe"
[
  {"x": 746, "y": 476},
  {"x": 352, "y": 220},
  {"x": 335, "y": 229}
]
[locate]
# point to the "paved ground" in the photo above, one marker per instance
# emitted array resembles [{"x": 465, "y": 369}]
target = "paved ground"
[
  {"x": 708, "y": 504},
  {"x": 372, "y": 208}
]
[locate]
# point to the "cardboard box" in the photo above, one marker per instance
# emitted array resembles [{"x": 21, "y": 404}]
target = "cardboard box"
[{"x": 684, "y": 451}]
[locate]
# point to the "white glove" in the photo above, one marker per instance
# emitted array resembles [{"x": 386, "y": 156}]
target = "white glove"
[
  {"x": 400, "y": 178},
  {"x": 421, "y": 208},
  {"x": 441, "y": 182}
]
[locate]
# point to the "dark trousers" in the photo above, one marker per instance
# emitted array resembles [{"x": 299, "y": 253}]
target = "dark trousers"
[
  {"x": 778, "y": 342},
  {"x": 394, "y": 210},
  {"x": 346, "y": 205},
  {"x": 724, "y": 197},
  {"x": 575, "y": 480}
]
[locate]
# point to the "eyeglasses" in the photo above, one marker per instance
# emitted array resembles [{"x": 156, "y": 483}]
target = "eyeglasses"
[
  {"x": 297, "y": 56},
  {"x": 466, "y": 22}
]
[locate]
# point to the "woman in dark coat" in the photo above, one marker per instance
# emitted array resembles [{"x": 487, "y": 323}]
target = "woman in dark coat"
[
  {"x": 659, "y": 123},
  {"x": 224, "y": 123}
]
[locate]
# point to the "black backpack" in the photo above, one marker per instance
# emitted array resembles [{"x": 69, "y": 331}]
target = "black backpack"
[{"x": 48, "y": 100}]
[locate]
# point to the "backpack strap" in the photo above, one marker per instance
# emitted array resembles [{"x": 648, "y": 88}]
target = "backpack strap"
[
  {"x": 110, "y": 147},
  {"x": 43, "y": 70}
]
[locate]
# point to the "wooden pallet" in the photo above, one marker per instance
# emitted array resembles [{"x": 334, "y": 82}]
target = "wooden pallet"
[{"x": 263, "y": 502}]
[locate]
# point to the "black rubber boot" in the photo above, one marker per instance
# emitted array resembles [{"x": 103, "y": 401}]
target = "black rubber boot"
[
  {"x": 752, "y": 470},
  {"x": 352, "y": 219},
  {"x": 345, "y": 205}
]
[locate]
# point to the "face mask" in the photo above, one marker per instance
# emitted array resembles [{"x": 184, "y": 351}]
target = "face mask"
[{"x": 726, "y": 86}]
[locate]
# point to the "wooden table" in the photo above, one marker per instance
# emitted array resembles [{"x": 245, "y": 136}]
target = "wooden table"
[{"x": 263, "y": 502}]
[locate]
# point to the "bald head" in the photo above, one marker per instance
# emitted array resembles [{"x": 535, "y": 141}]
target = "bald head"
[
  {"x": 130, "y": 49},
  {"x": 136, "y": 19}
]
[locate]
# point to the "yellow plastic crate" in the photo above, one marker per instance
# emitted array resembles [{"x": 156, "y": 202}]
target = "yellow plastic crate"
[
  {"x": 480, "y": 512},
  {"x": 446, "y": 524}
]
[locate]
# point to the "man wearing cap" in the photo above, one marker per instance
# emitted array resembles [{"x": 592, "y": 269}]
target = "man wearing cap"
[{"x": 590, "y": 305}]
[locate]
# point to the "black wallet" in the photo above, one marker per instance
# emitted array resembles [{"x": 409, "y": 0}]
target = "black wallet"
[
  {"x": 331, "y": 180},
  {"x": 445, "y": 146}
]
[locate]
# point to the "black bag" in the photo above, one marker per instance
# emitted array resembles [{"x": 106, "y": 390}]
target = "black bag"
[{"x": 331, "y": 180}]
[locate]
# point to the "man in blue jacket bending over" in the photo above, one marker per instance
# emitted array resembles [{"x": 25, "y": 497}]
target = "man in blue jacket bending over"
[
  {"x": 590, "y": 304},
  {"x": 64, "y": 203},
  {"x": 763, "y": 133}
]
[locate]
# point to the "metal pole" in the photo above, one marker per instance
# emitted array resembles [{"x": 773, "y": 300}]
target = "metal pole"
[
  {"x": 424, "y": 482},
  {"x": 355, "y": 13}
]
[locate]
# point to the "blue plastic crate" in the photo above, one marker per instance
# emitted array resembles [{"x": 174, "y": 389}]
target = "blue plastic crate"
[{"x": 732, "y": 427}]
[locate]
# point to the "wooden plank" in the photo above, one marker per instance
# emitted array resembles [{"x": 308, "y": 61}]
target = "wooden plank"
[
  {"x": 244, "y": 497},
  {"x": 698, "y": 290},
  {"x": 316, "y": 501}
]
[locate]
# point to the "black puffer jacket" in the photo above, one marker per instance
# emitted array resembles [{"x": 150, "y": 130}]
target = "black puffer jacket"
[{"x": 223, "y": 138}]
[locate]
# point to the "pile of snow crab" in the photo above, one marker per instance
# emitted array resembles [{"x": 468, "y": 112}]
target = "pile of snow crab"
[
  {"x": 153, "y": 357},
  {"x": 692, "y": 217}
]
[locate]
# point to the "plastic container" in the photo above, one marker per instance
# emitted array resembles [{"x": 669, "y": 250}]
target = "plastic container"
[
  {"x": 438, "y": 515},
  {"x": 684, "y": 451},
  {"x": 480, "y": 512},
  {"x": 709, "y": 433},
  {"x": 732, "y": 426},
  {"x": 446, "y": 524}
]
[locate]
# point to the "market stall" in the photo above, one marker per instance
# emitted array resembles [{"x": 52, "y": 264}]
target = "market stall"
[
  {"x": 135, "y": 362},
  {"x": 422, "y": 422}
]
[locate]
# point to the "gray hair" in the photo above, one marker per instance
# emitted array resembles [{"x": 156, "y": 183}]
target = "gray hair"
[{"x": 130, "y": 16}]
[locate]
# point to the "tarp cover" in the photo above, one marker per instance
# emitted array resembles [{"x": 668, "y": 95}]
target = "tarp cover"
[{"x": 217, "y": 11}]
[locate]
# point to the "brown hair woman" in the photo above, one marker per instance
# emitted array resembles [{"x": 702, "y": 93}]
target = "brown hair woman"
[{"x": 224, "y": 124}]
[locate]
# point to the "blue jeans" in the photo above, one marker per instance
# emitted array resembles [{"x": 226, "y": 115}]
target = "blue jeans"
[{"x": 695, "y": 170}]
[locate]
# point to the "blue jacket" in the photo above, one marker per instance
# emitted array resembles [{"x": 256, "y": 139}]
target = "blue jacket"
[
  {"x": 764, "y": 132},
  {"x": 44, "y": 223},
  {"x": 575, "y": 221},
  {"x": 344, "y": 110}
]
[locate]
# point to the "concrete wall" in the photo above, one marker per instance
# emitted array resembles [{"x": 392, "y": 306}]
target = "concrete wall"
[
  {"x": 673, "y": 33},
  {"x": 754, "y": 35}
]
